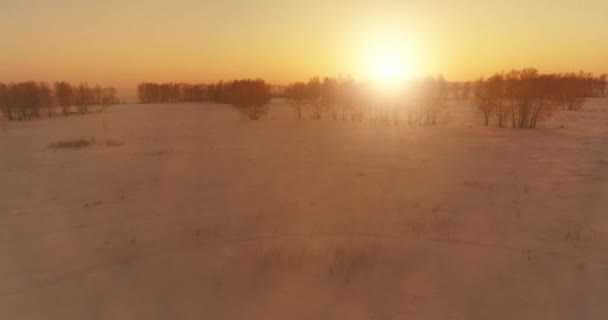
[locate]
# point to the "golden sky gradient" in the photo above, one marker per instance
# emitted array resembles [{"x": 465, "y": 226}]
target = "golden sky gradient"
[{"x": 124, "y": 42}]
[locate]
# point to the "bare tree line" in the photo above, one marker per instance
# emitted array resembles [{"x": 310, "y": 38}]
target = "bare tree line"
[
  {"x": 27, "y": 100},
  {"x": 149, "y": 92},
  {"x": 518, "y": 99},
  {"x": 522, "y": 98},
  {"x": 422, "y": 102}
]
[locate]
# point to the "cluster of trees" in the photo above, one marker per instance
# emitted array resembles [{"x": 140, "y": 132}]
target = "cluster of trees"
[
  {"x": 336, "y": 95},
  {"x": 522, "y": 98},
  {"x": 249, "y": 96},
  {"x": 26, "y": 100},
  {"x": 420, "y": 103},
  {"x": 427, "y": 100},
  {"x": 148, "y": 92}
]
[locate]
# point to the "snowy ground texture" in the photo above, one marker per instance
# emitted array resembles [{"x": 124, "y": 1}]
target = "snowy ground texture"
[{"x": 190, "y": 211}]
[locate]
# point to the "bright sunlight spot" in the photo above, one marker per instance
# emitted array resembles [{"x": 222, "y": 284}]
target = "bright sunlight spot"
[{"x": 388, "y": 65}]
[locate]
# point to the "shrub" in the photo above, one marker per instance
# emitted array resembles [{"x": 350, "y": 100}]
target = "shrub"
[{"x": 72, "y": 144}]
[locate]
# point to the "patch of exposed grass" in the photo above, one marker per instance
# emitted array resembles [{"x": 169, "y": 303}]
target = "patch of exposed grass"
[
  {"x": 73, "y": 144},
  {"x": 83, "y": 143}
]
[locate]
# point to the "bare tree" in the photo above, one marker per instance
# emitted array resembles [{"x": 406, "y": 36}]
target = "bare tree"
[
  {"x": 6, "y": 103},
  {"x": 249, "y": 96},
  {"x": 314, "y": 91},
  {"x": 83, "y": 97},
  {"x": 329, "y": 96},
  {"x": 483, "y": 100},
  {"x": 465, "y": 91},
  {"x": 296, "y": 96},
  {"x": 253, "y": 97},
  {"x": 46, "y": 98},
  {"x": 429, "y": 101},
  {"x": 602, "y": 85},
  {"x": 109, "y": 96},
  {"x": 64, "y": 95},
  {"x": 26, "y": 99},
  {"x": 97, "y": 97}
]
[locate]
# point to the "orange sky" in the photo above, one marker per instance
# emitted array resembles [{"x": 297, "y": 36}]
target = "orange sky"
[{"x": 124, "y": 42}]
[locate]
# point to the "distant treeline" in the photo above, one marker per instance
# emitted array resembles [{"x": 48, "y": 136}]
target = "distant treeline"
[
  {"x": 26, "y": 100},
  {"x": 421, "y": 102},
  {"x": 148, "y": 92},
  {"x": 521, "y": 98}
]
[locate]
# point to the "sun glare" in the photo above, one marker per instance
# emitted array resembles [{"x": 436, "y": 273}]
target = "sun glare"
[{"x": 389, "y": 66}]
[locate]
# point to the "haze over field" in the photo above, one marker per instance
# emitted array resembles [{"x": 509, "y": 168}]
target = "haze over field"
[
  {"x": 303, "y": 159},
  {"x": 120, "y": 43}
]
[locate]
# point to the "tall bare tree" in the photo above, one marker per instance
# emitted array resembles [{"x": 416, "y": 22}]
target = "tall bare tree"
[
  {"x": 6, "y": 105},
  {"x": 46, "y": 98},
  {"x": 64, "y": 95},
  {"x": 83, "y": 97}
]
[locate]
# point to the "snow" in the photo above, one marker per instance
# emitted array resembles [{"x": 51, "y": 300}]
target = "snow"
[{"x": 202, "y": 214}]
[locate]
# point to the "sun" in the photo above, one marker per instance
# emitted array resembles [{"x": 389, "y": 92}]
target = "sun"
[{"x": 388, "y": 65}]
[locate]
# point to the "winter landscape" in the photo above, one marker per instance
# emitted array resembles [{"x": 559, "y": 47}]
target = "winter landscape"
[{"x": 303, "y": 160}]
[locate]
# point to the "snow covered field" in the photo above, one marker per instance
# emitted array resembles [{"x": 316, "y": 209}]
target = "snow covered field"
[{"x": 189, "y": 211}]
